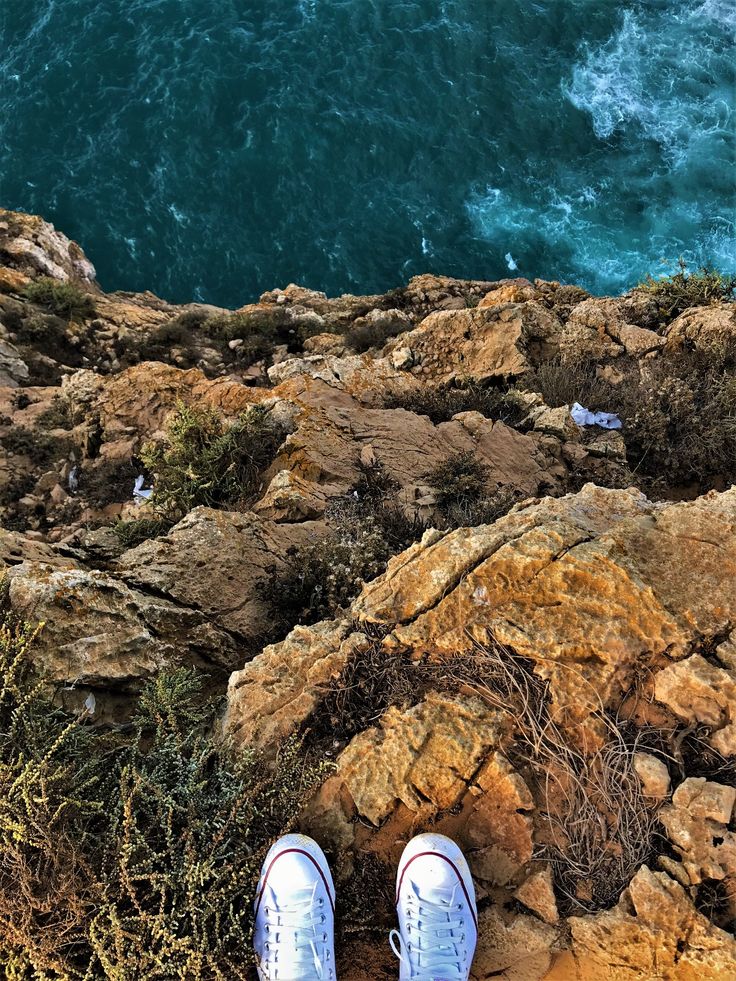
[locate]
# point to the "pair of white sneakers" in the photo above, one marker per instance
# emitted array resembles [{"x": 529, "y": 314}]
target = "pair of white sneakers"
[{"x": 295, "y": 912}]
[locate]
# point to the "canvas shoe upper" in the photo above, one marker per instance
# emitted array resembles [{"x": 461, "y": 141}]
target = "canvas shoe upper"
[
  {"x": 438, "y": 918},
  {"x": 294, "y": 931}
]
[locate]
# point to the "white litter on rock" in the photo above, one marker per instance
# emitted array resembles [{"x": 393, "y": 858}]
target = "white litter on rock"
[
  {"x": 90, "y": 702},
  {"x": 584, "y": 417},
  {"x": 139, "y": 491}
]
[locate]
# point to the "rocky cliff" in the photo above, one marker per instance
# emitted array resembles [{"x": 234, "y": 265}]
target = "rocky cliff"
[{"x": 394, "y": 541}]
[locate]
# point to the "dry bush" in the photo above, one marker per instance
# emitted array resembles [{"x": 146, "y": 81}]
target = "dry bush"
[
  {"x": 575, "y": 381},
  {"x": 131, "y": 853},
  {"x": 372, "y": 680},
  {"x": 442, "y": 402},
  {"x": 679, "y": 417},
  {"x": 681, "y": 290},
  {"x": 366, "y": 528},
  {"x": 601, "y": 827},
  {"x": 464, "y": 500}
]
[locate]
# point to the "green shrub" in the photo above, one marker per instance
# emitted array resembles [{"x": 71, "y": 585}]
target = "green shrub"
[
  {"x": 258, "y": 335},
  {"x": 443, "y": 402},
  {"x": 205, "y": 462},
  {"x": 42, "y": 330},
  {"x": 64, "y": 299},
  {"x": 158, "y": 344},
  {"x": 681, "y": 290},
  {"x": 133, "y": 853}
]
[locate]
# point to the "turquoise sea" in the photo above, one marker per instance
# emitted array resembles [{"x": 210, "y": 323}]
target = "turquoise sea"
[{"x": 213, "y": 150}]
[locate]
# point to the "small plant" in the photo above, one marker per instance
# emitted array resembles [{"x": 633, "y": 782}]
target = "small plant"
[
  {"x": 64, "y": 299},
  {"x": 206, "y": 462},
  {"x": 682, "y": 289}
]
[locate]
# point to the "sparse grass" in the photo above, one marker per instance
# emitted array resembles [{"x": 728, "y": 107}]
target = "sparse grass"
[
  {"x": 442, "y": 402},
  {"x": 206, "y": 462},
  {"x": 64, "y": 299},
  {"x": 131, "y": 853},
  {"x": 577, "y": 381},
  {"x": 685, "y": 289}
]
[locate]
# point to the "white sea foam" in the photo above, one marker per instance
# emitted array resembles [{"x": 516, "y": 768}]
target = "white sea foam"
[{"x": 655, "y": 72}]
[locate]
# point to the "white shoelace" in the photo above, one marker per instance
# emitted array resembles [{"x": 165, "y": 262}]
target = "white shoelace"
[
  {"x": 295, "y": 948},
  {"x": 431, "y": 949}
]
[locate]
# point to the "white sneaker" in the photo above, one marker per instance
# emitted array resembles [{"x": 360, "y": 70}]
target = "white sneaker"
[
  {"x": 438, "y": 918},
  {"x": 294, "y": 933}
]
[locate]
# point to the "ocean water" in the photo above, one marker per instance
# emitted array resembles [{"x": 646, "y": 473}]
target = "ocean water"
[{"x": 214, "y": 150}]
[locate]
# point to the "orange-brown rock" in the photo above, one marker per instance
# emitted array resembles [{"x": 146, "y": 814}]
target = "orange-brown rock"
[
  {"x": 703, "y": 327},
  {"x": 588, "y": 586},
  {"x": 482, "y": 342},
  {"x": 654, "y": 932}
]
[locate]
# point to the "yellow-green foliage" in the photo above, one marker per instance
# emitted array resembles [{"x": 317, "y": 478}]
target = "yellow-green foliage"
[
  {"x": 64, "y": 299},
  {"x": 131, "y": 854},
  {"x": 683, "y": 289},
  {"x": 206, "y": 462}
]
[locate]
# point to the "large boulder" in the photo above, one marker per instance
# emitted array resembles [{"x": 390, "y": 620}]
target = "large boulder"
[
  {"x": 702, "y": 328},
  {"x": 33, "y": 247},
  {"x": 500, "y": 341},
  {"x": 588, "y": 586},
  {"x": 216, "y": 562}
]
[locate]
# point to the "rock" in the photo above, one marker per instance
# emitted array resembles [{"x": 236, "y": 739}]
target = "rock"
[
  {"x": 537, "y": 894},
  {"x": 274, "y": 694},
  {"x": 402, "y": 358},
  {"x": 702, "y": 327},
  {"x": 696, "y": 823},
  {"x": 591, "y": 579},
  {"x": 513, "y": 947},
  {"x": 604, "y": 327},
  {"x": 698, "y": 691},
  {"x": 214, "y": 562},
  {"x": 102, "y": 633},
  {"x": 13, "y": 369},
  {"x": 484, "y": 342},
  {"x": 654, "y": 775},
  {"x": 653, "y": 932},
  {"x": 423, "y": 757},
  {"x": 34, "y": 247},
  {"x": 325, "y": 344},
  {"x": 498, "y": 829}
]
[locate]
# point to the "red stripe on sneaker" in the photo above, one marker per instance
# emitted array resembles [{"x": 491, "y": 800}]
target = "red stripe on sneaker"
[
  {"x": 298, "y": 851},
  {"x": 454, "y": 868}
]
